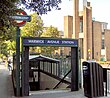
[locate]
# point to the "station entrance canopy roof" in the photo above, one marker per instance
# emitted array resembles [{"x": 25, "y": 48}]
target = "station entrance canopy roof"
[{"x": 43, "y": 58}]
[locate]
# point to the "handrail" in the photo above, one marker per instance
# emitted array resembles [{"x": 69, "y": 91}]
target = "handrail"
[
  {"x": 62, "y": 79},
  {"x": 53, "y": 76}
]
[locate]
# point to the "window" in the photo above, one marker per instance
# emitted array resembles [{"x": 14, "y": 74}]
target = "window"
[
  {"x": 81, "y": 26},
  {"x": 103, "y": 42},
  {"x": 102, "y": 35},
  {"x": 104, "y": 26}
]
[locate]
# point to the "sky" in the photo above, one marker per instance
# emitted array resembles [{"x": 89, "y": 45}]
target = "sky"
[{"x": 100, "y": 11}]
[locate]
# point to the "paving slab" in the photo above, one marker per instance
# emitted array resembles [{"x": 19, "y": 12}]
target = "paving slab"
[
  {"x": 58, "y": 94},
  {"x": 6, "y": 89}
]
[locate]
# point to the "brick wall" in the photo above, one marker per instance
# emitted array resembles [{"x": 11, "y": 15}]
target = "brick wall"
[
  {"x": 97, "y": 39},
  {"x": 107, "y": 44}
]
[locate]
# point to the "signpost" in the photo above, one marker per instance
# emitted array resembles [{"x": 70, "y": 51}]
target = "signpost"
[{"x": 19, "y": 20}]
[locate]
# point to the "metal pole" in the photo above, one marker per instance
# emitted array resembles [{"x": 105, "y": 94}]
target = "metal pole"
[{"x": 18, "y": 62}]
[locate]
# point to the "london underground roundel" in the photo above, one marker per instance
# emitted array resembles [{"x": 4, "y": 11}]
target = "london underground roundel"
[
  {"x": 23, "y": 22},
  {"x": 20, "y": 18}
]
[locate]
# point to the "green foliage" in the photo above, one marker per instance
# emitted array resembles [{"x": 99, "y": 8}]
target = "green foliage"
[
  {"x": 10, "y": 34},
  {"x": 11, "y": 47},
  {"x": 7, "y": 8},
  {"x": 33, "y": 28},
  {"x": 7, "y": 31},
  {"x": 7, "y": 41},
  {"x": 50, "y": 32},
  {"x": 53, "y": 33},
  {"x": 7, "y": 48},
  {"x": 3, "y": 49}
]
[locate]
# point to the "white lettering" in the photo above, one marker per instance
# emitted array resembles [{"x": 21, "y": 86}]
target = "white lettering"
[
  {"x": 20, "y": 17},
  {"x": 53, "y": 41},
  {"x": 36, "y": 41},
  {"x": 67, "y": 42}
]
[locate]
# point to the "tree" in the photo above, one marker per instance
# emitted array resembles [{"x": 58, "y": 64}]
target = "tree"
[
  {"x": 8, "y": 48},
  {"x": 7, "y": 8},
  {"x": 41, "y": 6},
  {"x": 7, "y": 41},
  {"x": 50, "y": 32},
  {"x": 33, "y": 28},
  {"x": 7, "y": 31},
  {"x": 10, "y": 34},
  {"x": 53, "y": 33}
]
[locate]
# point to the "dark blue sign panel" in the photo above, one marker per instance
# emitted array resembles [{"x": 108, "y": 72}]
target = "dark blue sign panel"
[
  {"x": 21, "y": 17},
  {"x": 50, "y": 42}
]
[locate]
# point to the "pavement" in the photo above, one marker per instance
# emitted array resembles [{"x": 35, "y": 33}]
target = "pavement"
[{"x": 6, "y": 89}]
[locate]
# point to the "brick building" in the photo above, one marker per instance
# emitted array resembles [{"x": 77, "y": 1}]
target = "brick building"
[{"x": 94, "y": 37}]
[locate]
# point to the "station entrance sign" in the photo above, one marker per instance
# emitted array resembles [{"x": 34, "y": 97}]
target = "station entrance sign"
[
  {"x": 20, "y": 18},
  {"x": 49, "y": 42}
]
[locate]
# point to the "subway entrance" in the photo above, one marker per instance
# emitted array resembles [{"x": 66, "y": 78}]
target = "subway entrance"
[{"x": 46, "y": 65}]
